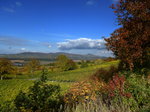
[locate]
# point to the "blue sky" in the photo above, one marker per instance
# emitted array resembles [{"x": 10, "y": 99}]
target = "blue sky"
[{"x": 73, "y": 26}]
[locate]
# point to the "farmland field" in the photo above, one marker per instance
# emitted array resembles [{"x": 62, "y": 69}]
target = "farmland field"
[{"x": 11, "y": 87}]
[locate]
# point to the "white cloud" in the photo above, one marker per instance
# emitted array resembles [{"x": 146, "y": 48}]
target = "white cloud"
[
  {"x": 49, "y": 46},
  {"x": 90, "y": 2},
  {"x": 82, "y": 43},
  {"x": 23, "y": 49},
  {"x": 19, "y": 4}
]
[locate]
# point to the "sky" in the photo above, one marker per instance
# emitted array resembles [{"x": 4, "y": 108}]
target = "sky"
[{"x": 72, "y": 26}]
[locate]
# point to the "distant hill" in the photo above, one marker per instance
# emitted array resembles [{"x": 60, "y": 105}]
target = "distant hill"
[{"x": 48, "y": 56}]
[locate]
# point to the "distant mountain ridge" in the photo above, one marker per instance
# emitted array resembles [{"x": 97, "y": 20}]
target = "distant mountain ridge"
[{"x": 49, "y": 56}]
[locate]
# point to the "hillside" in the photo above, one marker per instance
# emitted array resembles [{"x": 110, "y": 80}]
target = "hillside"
[{"x": 48, "y": 56}]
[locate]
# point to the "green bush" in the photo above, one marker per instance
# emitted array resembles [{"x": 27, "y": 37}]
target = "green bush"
[
  {"x": 139, "y": 87},
  {"x": 8, "y": 107},
  {"x": 70, "y": 65},
  {"x": 41, "y": 97}
]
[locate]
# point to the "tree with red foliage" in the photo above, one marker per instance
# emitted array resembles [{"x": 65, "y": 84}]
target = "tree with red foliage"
[
  {"x": 116, "y": 86},
  {"x": 131, "y": 42}
]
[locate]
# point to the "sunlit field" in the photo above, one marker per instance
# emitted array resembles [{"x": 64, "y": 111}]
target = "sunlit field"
[{"x": 11, "y": 87}]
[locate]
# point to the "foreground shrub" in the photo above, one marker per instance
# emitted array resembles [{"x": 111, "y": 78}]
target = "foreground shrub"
[
  {"x": 104, "y": 74},
  {"x": 116, "y": 87},
  {"x": 139, "y": 87},
  {"x": 83, "y": 91},
  {"x": 41, "y": 97},
  {"x": 8, "y": 107},
  {"x": 120, "y": 94},
  {"x": 133, "y": 90}
]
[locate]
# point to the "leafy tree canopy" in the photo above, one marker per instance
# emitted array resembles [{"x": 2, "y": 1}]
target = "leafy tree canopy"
[
  {"x": 131, "y": 42},
  {"x": 5, "y": 67},
  {"x": 33, "y": 65},
  {"x": 64, "y": 63}
]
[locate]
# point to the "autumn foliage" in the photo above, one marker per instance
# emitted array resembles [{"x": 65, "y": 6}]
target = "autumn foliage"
[
  {"x": 83, "y": 91},
  {"x": 5, "y": 67},
  {"x": 116, "y": 87},
  {"x": 131, "y": 42}
]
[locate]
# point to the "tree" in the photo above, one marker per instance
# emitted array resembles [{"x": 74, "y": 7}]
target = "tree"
[
  {"x": 131, "y": 42},
  {"x": 64, "y": 63},
  {"x": 33, "y": 65},
  {"x": 83, "y": 64},
  {"x": 6, "y": 67},
  {"x": 61, "y": 61},
  {"x": 70, "y": 65},
  {"x": 41, "y": 97}
]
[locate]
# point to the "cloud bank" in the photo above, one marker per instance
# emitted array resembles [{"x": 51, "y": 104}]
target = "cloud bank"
[
  {"x": 13, "y": 41},
  {"x": 82, "y": 43}
]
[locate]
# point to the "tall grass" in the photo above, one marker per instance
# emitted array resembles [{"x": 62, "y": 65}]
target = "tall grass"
[{"x": 98, "y": 106}]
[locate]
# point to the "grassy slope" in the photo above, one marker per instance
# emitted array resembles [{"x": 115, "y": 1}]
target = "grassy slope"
[
  {"x": 79, "y": 74},
  {"x": 10, "y": 88}
]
